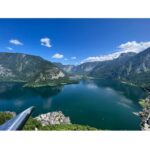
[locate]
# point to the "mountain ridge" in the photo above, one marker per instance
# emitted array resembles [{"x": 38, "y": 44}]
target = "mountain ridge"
[
  {"x": 132, "y": 68},
  {"x": 33, "y": 70}
]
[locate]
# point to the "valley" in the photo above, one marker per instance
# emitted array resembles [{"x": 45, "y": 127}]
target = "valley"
[{"x": 105, "y": 94}]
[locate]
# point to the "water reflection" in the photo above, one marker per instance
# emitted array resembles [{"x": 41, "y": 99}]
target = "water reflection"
[
  {"x": 128, "y": 91},
  {"x": 102, "y": 104},
  {"x": 15, "y": 97}
]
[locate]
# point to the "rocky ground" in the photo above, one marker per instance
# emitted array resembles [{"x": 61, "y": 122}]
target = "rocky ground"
[
  {"x": 52, "y": 121},
  {"x": 53, "y": 118},
  {"x": 145, "y": 114}
]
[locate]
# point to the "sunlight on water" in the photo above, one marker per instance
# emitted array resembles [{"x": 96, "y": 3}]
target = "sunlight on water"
[{"x": 99, "y": 103}]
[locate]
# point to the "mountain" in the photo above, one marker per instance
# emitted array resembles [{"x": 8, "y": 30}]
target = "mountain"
[
  {"x": 137, "y": 69},
  {"x": 78, "y": 71},
  {"x": 111, "y": 69},
  {"x": 130, "y": 67},
  {"x": 101, "y": 68},
  {"x": 67, "y": 68},
  {"x": 33, "y": 70},
  {"x": 85, "y": 68}
]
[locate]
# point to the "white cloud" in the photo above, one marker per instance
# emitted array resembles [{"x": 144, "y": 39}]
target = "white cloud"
[
  {"x": 74, "y": 57},
  {"x": 46, "y": 42},
  {"x": 9, "y": 48},
  {"x": 58, "y": 56},
  {"x": 15, "y": 42},
  {"x": 102, "y": 58},
  {"x": 132, "y": 46}
]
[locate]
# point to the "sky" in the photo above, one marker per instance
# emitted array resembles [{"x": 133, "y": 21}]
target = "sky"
[{"x": 74, "y": 41}]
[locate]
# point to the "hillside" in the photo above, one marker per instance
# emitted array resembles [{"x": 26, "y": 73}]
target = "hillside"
[
  {"x": 132, "y": 68},
  {"x": 128, "y": 67},
  {"x": 110, "y": 69},
  {"x": 33, "y": 70},
  {"x": 67, "y": 68}
]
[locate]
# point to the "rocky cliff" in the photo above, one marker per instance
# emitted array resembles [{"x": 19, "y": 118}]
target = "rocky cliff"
[
  {"x": 145, "y": 114},
  {"x": 53, "y": 118},
  {"x": 32, "y": 70}
]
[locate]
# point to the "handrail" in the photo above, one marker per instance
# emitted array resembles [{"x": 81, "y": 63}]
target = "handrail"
[{"x": 18, "y": 122}]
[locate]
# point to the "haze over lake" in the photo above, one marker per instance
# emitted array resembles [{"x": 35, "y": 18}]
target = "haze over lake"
[{"x": 104, "y": 104}]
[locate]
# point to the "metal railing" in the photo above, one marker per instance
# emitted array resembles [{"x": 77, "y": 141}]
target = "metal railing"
[{"x": 18, "y": 122}]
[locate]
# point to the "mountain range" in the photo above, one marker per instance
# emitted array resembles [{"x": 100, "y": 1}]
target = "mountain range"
[
  {"x": 129, "y": 67},
  {"x": 32, "y": 70}
]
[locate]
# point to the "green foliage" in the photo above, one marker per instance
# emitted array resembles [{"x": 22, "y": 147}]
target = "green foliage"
[
  {"x": 69, "y": 127},
  {"x": 33, "y": 124},
  {"x": 143, "y": 103},
  {"x": 52, "y": 83},
  {"x": 4, "y": 117}
]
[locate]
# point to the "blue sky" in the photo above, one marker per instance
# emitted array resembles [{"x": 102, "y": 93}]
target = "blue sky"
[{"x": 72, "y": 41}]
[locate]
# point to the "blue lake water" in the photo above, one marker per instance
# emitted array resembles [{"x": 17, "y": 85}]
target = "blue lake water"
[{"x": 104, "y": 104}]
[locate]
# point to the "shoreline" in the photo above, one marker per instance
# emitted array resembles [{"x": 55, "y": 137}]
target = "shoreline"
[
  {"x": 51, "y": 121},
  {"x": 145, "y": 113}
]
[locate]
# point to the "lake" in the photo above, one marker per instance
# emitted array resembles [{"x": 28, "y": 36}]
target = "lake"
[{"x": 104, "y": 104}]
